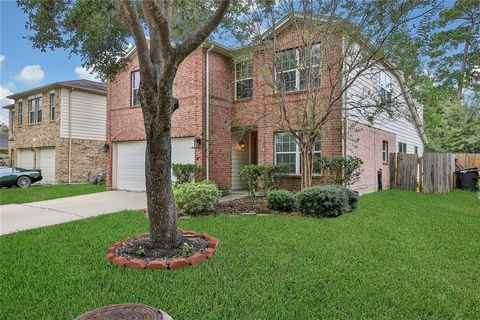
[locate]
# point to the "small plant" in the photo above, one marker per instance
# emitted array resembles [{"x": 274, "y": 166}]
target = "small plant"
[
  {"x": 250, "y": 177},
  {"x": 186, "y": 249},
  {"x": 344, "y": 170},
  {"x": 196, "y": 197},
  {"x": 280, "y": 200},
  {"x": 264, "y": 177},
  {"x": 185, "y": 172},
  {"x": 141, "y": 251},
  {"x": 324, "y": 201}
]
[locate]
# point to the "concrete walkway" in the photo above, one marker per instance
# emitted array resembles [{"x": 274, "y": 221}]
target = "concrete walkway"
[{"x": 17, "y": 217}]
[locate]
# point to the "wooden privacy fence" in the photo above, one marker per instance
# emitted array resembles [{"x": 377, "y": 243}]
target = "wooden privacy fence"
[{"x": 432, "y": 173}]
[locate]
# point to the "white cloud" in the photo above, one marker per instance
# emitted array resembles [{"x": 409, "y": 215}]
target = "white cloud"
[
  {"x": 4, "y": 92},
  {"x": 31, "y": 74},
  {"x": 2, "y": 57},
  {"x": 84, "y": 73}
]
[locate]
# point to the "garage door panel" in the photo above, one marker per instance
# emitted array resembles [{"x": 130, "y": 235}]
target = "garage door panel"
[
  {"x": 25, "y": 158},
  {"x": 46, "y": 163},
  {"x": 130, "y": 161}
]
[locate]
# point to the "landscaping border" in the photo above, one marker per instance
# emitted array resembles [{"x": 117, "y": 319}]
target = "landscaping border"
[{"x": 165, "y": 263}]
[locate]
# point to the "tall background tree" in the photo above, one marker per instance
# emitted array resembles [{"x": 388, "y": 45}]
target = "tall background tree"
[
  {"x": 454, "y": 46},
  {"x": 99, "y": 31}
]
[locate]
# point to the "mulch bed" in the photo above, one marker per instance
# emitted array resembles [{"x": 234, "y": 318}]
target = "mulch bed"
[
  {"x": 243, "y": 205},
  {"x": 137, "y": 253},
  {"x": 140, "y": 248}
]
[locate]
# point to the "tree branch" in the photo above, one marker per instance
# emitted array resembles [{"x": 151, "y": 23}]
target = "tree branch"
[{"x": 184, "y": 49}]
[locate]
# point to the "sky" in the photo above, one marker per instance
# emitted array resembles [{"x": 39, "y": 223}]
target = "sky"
[{"x": 23, "y": 67}]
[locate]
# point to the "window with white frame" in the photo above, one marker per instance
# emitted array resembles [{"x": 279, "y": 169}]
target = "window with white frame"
[
  {"x": 20, "y": 113},
  {"x": 385, "y": 151},
  {"x": 38, "y": 107},
  {"x": 287, "y": 152},
  {"x": 402, "y": 147},
  {"x": 385, "y": 88},
  {"x": 52, "y": 106},
  {"x": 298, "y": 68},
  {"x": 31, "y": 111},
  {"x": 135, "y": 88},
  {"x": 243, "y": 79}
]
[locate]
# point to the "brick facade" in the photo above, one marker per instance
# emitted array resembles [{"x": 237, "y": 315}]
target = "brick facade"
[
  {"x": 87, "y": 155},
  {"x": 366, "y": 143}
]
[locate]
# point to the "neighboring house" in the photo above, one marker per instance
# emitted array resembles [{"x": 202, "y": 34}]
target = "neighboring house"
[
  {"x": 218, "y": 124},
  {"x": 3, "y": 148},
  {"x": 59, "y": 128}
]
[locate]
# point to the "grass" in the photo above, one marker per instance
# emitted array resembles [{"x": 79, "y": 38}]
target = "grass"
[
  {"x": 400, "y": 255},
  {"x": 39, "y": 192}
]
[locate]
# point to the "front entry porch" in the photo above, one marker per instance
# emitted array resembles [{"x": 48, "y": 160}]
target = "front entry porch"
[{"x": 244, "y": 152}]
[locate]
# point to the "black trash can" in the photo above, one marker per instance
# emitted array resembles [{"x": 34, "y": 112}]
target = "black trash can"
[{"x": 467, "y": 179}]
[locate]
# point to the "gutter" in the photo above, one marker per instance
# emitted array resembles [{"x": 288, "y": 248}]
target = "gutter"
[{"x": 207, "y": 113}]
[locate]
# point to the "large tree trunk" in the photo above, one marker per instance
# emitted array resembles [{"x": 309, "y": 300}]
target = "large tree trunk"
[{"x": 160, "y": 200}]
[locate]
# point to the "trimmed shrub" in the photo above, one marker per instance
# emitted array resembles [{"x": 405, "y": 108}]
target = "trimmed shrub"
[
  {"x": 324, "y": 201},
  {"x": 262, "y": 176},
  {"x": 353, "y": 198},
  {"x": 280, "y": 200},
  {"x": 185, "y": 172},
  {"x": 196, "y": 197}
]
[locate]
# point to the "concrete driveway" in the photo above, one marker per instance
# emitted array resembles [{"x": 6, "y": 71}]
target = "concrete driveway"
[{"x": 16, "y": 217}]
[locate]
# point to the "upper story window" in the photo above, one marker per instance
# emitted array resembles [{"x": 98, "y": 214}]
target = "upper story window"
[
  {"x": 298, "y": 68},
  {"x": 402, "y": 147},
  {"x": 38, "y": 107},
  {"x": 31, "y": 111},
  {"x": 135, "y": 88},
  {"x": 416, "y": 150},
  {"x": 52, "y": 106},
  {"x": 20, "y": 113},
  {"x": 12, "y": 121},
  {"x": 287, "y": 152},
  {"x": 243, "y": 79},
  {"x": 385, "y": 88},
  {"x": 385, "y": 151}
]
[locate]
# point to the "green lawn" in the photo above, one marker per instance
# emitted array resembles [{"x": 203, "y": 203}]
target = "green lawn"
[
  {"x": 39, "y": 192},
  {"x": 401, "y": 255}
]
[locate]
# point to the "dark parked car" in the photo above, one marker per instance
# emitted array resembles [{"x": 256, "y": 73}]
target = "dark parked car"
[{"x": 22, "y": 178}]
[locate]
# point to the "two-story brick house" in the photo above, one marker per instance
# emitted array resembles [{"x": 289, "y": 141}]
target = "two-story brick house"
[
  {"x": 59, "y": 128},
  {"x": 228, "y": 118}
]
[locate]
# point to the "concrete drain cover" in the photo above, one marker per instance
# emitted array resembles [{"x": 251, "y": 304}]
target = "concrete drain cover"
[{"x": 130, "y": 311}]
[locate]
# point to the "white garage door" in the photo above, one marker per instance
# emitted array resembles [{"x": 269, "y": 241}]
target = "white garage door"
[
  {"x": 25, "y": 158},
  {"x": 46, "y": 163},
  {"x": 129, "y": 162}
]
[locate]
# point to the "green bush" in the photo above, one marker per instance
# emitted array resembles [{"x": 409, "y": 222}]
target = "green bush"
[
  {"x": 250, "y": 177},
  {"x": 272, "y": 175},
  {"x": 324, "y": 201},
  {"x": 196, "y": 197},
  {"x": 185, "y": 172},
  {"x": 343, "y": 170},
  {"x": 280, "y": 200},
  {"x": 262, "y": 176},
  {"x": 353, "y": 198}
]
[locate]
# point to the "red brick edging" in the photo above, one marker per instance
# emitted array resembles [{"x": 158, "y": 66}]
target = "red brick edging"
[{"x": 172, "y": 263}]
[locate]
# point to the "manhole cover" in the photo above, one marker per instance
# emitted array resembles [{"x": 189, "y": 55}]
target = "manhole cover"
[{"x": 130, "y": 311}]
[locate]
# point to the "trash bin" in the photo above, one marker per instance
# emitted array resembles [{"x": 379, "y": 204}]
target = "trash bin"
[{"x": 467, "y": 179}]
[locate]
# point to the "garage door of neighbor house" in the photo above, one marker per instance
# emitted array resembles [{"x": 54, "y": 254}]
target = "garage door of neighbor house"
[
  {"x": 46, "y": 163},
  {"x": 25, "y": 158},
  {"x": 129, "y": 161}
]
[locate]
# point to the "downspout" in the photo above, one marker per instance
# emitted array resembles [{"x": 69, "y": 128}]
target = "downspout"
[
  {"x": 344, "y": 103},
  {"x": 207, "y": 114},
  {"x": 70, "y": 136}
]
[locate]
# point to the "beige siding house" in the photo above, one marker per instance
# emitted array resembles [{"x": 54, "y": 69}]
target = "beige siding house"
[{"x": 59, "y": 128}]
